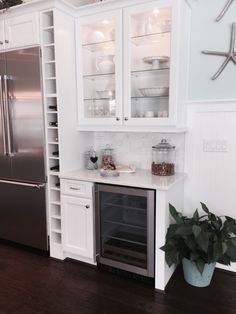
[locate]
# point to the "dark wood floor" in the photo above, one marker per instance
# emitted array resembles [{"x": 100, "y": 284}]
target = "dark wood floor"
[{"x": 30, "y": 283}]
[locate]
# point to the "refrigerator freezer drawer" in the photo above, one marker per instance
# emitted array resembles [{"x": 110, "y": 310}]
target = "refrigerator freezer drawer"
[{"x": 23, "y": 215}]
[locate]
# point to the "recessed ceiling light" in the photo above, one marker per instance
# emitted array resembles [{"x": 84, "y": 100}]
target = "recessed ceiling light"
[{"x": 105, "y": 22}]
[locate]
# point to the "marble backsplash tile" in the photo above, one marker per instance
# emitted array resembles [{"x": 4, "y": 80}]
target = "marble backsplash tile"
[{"x": 136, "y": 148}]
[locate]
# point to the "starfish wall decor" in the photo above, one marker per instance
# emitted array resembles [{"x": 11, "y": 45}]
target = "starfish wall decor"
[
  {"x": 224, "y": 10},
  {"x": 229, "y": 56}
]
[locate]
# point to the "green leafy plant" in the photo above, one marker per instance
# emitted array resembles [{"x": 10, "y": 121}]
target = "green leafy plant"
[
  {"x": 5, "y": 4},
  {"x": 202, "y": 239}
]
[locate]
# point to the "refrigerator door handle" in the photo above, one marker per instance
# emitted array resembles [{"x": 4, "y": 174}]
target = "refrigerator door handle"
[
  {"x": 3, "y": 118},
  {"x": 38, "y": 186},
  {"x": 8, "y": 119}
]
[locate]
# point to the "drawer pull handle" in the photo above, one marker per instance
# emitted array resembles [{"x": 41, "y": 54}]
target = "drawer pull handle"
[
  {"x": 74, "y": 189},
  {"x": 87, "y": 206}
]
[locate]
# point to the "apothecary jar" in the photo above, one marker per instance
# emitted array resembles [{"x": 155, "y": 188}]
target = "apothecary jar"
[{"x": 163, "y": 159}]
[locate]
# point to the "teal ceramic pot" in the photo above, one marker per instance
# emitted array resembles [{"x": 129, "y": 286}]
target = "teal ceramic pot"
[{"x": 192, "y": 275}]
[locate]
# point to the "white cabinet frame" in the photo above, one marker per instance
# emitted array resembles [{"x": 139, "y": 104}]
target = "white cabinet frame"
[
  {"x": 116, "y": 15},
  {"x": 128, "y": 12}
]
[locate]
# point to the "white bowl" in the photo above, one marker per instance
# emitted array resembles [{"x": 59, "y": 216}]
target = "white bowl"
[
  {"x": 154, "y": 91},
  {"x": 110, "y": 94}
]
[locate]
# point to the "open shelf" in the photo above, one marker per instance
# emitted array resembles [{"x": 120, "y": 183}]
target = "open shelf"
[{"x": 51, "y": 115}]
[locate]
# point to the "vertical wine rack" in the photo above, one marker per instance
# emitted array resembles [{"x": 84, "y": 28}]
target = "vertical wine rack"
[{"x": 52, "y": 135}]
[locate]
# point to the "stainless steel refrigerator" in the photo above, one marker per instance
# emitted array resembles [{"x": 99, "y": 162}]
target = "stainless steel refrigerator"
[{"x": 22, "y": 155}]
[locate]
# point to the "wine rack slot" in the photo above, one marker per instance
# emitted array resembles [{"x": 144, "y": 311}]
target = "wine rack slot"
[
  {"x": 51, "y": 87},
  {"x": 56, "y": 237},
  {"x": 48, "y": 36},
  {"x": 47, "y": 19},
  {"x": 49, "y": 69},
  {"x": 49, "y": 54},
  {"x": 55, "y": 211},
  {"x": 53, "y": 137}
]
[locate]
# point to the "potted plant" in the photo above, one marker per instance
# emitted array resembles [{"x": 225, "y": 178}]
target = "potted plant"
[{"x": 199, "y": 242}]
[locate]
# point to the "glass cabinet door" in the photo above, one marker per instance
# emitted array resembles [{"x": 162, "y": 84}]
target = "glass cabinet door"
[
  {"x": 100, "y": 69},
  {"x": 147, "y": 63}
]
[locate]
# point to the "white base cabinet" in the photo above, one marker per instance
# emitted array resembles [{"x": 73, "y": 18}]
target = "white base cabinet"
[{"x": 77, "y": 225}]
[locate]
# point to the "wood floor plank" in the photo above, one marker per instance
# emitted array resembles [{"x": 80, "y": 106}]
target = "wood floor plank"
[{"x": 34, "y": 284}]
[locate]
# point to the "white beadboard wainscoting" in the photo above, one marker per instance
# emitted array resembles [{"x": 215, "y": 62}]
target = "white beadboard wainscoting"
[
  {"x": 210, "y": 159},
  {"x": 136, "y": 148}
]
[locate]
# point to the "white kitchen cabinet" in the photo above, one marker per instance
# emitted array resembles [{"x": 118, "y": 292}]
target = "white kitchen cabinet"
[
  {"x": 77, "y": 221},
  {"x": 77, "y": 226},
  {"x": 19, "y": 31},
  {"x": 147, "y": 84},
  {"x": 100, "y": 69}
]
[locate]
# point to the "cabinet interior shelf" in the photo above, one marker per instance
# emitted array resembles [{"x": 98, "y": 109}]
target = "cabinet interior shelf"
[
  {"x": 48, "y": 28},
  {"x": 137, "y": 98},
  {"x": 98, "y": 99},
  {"x": 55, "y": 203},
  {"x": 96, "y": 46},
  {"x": 49, "y": 45},
  {"x": 101, "y": 76},
  {"x": 54, "y": 189},
  {"x": 52, "y": 111},
  {"x": 124, "y": 224},
  {"x": 138, "y": 73},
  {"x": 149, "y": 38},
  {"x": 53, "y": 143},
  {"x": 56, "y": 216},
  {"x": 129, "y": 238},
  {"x": 141, "y": 210},
  {"x": 56, "y": 230},
  {"x": 51, "y": 95},
  {"x": 50, "y": 78},
  {"x": 54, "y": 173},
  {"x": 49, "y": 61}
]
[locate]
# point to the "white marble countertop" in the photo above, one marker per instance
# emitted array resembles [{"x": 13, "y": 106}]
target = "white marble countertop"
[{"x": 140, "y": 179}]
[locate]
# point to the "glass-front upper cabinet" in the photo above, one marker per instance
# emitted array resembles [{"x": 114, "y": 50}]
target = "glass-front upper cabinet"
[
  {"x": 100, "y": 69},
  {"x": 148, "y": 53}
]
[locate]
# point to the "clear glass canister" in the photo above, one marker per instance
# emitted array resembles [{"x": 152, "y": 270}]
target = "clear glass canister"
[
  {"x": 163, "y": 159},
  {"x": 108, "y": 158}
]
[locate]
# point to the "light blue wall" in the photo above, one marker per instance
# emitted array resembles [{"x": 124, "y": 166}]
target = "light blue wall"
[{"x": 206, "y": 34}]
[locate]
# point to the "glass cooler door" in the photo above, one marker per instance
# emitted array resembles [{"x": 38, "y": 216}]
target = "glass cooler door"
[{"x": 126, "y": 223}]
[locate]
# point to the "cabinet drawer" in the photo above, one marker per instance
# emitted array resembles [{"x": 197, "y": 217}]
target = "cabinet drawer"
[{"x": 77, "y": 188}]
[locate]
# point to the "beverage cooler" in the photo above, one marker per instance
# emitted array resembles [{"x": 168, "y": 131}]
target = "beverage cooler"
[{"x": 125, "y": 221}]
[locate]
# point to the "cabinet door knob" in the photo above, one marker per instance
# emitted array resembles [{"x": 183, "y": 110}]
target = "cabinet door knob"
[
  {"x": 126, "y": 119},
  {"x": 1, "y": 42},
  {"x": 117, "y": 119},
  {"x": 87, "y": 206},
  {"x": 7, "y": 41}
]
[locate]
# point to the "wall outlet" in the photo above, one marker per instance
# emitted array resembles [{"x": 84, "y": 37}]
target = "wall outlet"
[{"x": 215, "y": 146}]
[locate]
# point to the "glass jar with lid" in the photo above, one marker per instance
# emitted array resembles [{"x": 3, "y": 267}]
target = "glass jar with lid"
[
  {"x": 108, "y": 158},
  {"x": 163, "y": 159}
]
